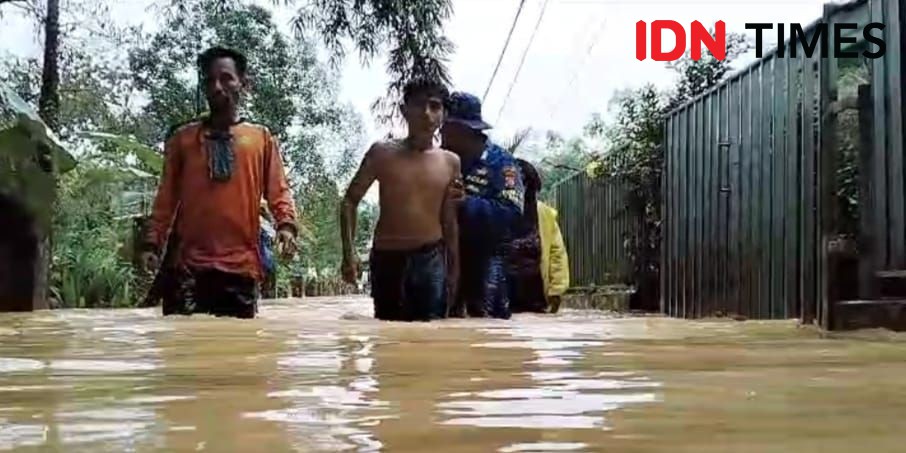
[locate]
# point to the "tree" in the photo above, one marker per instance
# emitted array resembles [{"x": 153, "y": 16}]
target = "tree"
[
  {"x": 49, "y": 19},
  {"x": 81, "y": 91},
  {"x": 49, "y": 100},
  {"x": 636, "y": 157},
  {"x": 517, "y": 141},
  {"x": 92, "y": 94},
  {"x": 165, "y": 68},
  {"x": 412, "y": 31},
  {"x": 696, "y": 77},
  {"x": 293, "y": 93},
  {"x": 86, "y": 96},
  {"x": 49, "y": 103},
  {"x": 562, "y": 159}
]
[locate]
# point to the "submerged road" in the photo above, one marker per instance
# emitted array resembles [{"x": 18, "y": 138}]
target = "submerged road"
[{"x": 320, "y": 375}]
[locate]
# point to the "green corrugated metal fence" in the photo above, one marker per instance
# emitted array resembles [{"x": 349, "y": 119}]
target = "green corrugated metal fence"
[
  {"x": 764, "y": 174},
  {"x": 594, "y": 224},
  {"x": 750, "y": 177},
  {"x": 888, "y": 236}
]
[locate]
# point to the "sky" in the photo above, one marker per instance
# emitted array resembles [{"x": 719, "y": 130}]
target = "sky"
[{"x": 582, "y": 52}]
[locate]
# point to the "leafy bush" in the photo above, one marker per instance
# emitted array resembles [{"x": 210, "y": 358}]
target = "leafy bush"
[{"x": 90, "y": 265}]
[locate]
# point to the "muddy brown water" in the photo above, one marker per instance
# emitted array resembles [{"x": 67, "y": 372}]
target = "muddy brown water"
[{"x": 320, "y": 375}]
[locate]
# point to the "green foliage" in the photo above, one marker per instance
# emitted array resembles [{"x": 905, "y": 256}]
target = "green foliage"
[
  {"x": 124, "y": 151},
  {"x": 411, "y": 31},
  {"x": 852, "y": 73},
  {"x": 89, "y": 269},
  {"x": 118, "y": 140},
  {"x": 696, "y": 77},
  {"x": 288, "y": 86},
  {"x": 636, "y": 157},
  {"x": 291, "y": 92},
  {"x": 367, "y": 220},
  {"x": 87, "y": 266},
  {"x": 114, "y": 181},
  {"x": 516, "y": 142},
  {"x": 563, "y": 159},
  {"x": 93, "y": 94}
]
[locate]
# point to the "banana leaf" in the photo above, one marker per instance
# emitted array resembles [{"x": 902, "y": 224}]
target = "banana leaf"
[{"x": 148, "y": 156}]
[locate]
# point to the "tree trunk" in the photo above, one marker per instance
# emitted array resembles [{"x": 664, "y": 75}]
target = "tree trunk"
[
  {"x": 49, "y": 102},
  {"x": 49, "y": 110}
]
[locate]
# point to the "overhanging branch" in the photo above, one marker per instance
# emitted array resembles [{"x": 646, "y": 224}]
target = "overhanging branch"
[{"x": 546, "y": 161}]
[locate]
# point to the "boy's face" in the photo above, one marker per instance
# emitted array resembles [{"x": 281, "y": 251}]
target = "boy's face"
[
  {"x": 223, "y": 84},
  {"x": 424, "y": 113}
]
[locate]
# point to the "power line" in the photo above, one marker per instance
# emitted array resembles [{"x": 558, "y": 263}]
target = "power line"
[
  {"x": 524, "y": 53},
  {"x": 503, "y": 52},
  {"x": 594, "y": 41},
  {"x": 579, "y": 42}
]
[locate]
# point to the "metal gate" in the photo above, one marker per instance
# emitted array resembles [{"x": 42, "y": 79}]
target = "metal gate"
[
  {"x": 752, "y": 203},
  {"x": 595, "y": 223}
]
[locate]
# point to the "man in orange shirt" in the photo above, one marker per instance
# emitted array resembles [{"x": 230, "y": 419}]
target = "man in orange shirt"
[{"x": 216, "y": 172}]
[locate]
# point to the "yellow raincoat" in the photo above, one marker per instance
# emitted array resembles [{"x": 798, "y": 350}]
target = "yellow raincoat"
[{"x": 554, "y": 262}]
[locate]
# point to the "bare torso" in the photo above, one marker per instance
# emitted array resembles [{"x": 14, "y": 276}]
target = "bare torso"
[{"x": 412, "y": 187}]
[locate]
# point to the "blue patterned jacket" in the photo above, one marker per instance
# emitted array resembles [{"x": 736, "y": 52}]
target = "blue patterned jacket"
[{"x": 487, "y": 220}]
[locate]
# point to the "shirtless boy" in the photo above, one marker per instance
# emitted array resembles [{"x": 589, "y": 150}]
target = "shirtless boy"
[{"x": 414, "y": 263}]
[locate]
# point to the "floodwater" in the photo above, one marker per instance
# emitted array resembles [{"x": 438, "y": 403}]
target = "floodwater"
[{"x": 319, "y": 375}]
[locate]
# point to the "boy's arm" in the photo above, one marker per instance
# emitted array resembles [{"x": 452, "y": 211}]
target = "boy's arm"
[
  {"x": 361, "y": 182},
  {"x": 450, "y": 226}
]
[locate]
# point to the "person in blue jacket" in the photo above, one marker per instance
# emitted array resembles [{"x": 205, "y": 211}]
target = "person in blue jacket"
[{"x": 491, "y": 203}]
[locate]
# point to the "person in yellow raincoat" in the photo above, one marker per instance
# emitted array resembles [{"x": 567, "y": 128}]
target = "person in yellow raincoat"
[
  {"x": 554, "y": 260},
  {"x": 538, "y": 265}
]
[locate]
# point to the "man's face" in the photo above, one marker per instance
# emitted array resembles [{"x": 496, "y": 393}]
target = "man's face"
[
  {"x": 453, "y": 136},
  {"x": 223, "y": 85},
  {"x": 423, "y": 113}
]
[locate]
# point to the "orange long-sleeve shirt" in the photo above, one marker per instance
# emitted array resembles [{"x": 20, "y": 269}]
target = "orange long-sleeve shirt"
[{"x": 218, "y": 223}]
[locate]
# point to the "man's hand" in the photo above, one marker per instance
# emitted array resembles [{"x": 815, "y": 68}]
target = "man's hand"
[
  {"x": 456, "y": 191},
  {"x": 286, "y": 242},
  {"x": 350, "y": 270},
  {"x": 150, "y": 261}
]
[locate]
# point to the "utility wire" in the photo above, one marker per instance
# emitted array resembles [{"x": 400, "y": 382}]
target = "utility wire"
[
  {"x": 555, "y": 108},
  {"x": 503, "y": 52},
  {"x": 524, "y": 53},
  {"x": 579, "y": 42}
]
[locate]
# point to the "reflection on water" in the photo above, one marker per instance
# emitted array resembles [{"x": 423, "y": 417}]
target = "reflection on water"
[
  {"x": 330, "y": 392},
  {"x": 557, "y": 397},
  {"x": 319, "y": 375},
  {"x": 543, "y": 446}
]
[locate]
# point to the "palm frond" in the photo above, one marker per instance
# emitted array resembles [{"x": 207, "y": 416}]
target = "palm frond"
[{"x": 517, "y": 140}]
